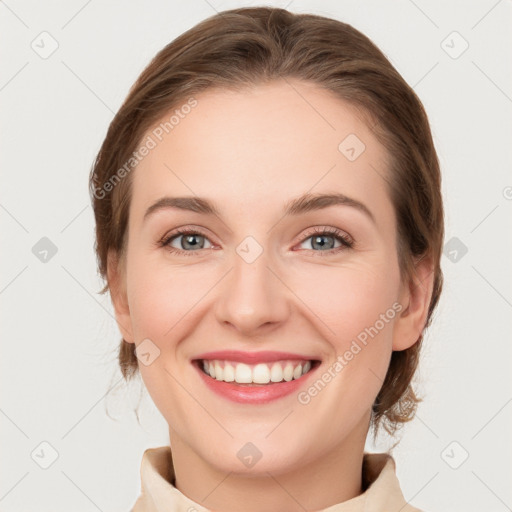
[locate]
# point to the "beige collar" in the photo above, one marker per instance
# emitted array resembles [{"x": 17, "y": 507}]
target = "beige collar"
[{"x": 382, "y": 494}]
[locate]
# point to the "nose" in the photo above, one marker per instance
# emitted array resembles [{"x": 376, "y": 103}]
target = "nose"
[{"x": 253, "y": 298}]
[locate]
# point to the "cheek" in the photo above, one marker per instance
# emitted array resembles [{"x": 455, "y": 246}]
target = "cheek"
[
  {"x": 349, "y": 300},
  {"x": 355, "y": 310},
  {"x": 346, "y": 300},
  {"x": 160, "y": 303}
]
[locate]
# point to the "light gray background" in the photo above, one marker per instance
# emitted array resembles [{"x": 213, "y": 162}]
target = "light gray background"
[{"x": 59, "y": 338}]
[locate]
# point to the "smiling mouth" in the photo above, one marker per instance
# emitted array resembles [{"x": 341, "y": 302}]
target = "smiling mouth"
[{"x": 261, "y": 374}]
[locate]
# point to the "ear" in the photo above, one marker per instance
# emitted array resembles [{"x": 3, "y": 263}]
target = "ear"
[
  {"x": 415, "y": 297},
  {"x": 117, "y": 287}
]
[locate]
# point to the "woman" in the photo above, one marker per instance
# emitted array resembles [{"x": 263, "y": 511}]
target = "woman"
[{"x": 269, "y": 223}]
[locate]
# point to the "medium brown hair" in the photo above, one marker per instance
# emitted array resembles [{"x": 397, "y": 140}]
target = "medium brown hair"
[{"x": 244, "y": 47}]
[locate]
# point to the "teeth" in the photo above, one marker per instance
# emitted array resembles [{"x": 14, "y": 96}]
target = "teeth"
[
  {"x": 276, "y": 373},
  {"x": 229, "y": 373},
  {"x": 260, "y": 373},
  {"x": 288, "y": 372},
  {"x": 218, "y": 371},
  {"x": 243, "y": 374}
]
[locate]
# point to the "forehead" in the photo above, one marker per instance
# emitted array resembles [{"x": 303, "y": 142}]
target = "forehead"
[{"x": 260, "y": 146}]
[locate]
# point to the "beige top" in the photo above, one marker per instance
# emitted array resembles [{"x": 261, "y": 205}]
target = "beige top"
[{"x": 382, "y": 494}]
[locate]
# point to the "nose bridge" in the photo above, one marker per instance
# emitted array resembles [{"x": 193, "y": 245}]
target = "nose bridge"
[{"x": 251, "y": 296}]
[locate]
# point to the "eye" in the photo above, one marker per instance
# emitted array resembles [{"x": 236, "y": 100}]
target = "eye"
[
  {"x": 325, "y": 239},
  {"x": 187, "y": 241}
]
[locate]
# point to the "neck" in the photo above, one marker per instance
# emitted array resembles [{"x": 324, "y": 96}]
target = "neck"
[{"x": 333, "y": 477}]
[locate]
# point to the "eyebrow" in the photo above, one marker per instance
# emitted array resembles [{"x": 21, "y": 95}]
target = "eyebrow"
[{"x": 298, "y": 206}]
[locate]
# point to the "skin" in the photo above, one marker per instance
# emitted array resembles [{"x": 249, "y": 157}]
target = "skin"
[{"x": 250, "y": 152}]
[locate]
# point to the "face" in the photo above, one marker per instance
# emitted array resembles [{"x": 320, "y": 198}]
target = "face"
[{"x": 261, "y": 277}]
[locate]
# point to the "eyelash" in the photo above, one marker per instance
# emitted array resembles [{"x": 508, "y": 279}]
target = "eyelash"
[{"x": 346, "y": 241}]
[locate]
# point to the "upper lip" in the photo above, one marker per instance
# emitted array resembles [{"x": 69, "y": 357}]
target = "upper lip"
[{"x": 252, "y": 357}]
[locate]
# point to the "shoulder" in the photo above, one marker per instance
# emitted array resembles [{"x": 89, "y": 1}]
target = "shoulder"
[{"x": 381, "y": 486}]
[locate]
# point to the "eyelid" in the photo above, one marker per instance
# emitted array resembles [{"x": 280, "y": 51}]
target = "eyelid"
[
  {"x": 329, "y": 231},
  {"x": 183, "y": 231},
  {"x": 188, "y": 229},
  {"x": 346, "y": 240}
]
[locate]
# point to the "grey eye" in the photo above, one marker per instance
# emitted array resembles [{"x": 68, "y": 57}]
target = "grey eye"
[
  {"x": 322, "y": 242},
  {"x": 189, "y": 241}
]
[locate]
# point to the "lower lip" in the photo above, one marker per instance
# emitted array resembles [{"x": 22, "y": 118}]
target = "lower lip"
[{"x": 257, "y": 394}]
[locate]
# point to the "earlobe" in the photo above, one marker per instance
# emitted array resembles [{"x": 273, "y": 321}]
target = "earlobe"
[
  {"x": 115, "y": 277},
  {"x": 415, "y": 299}
]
